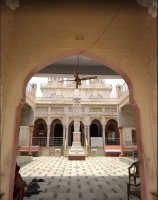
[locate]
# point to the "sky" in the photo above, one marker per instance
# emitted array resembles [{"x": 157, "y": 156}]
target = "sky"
[{"x": 39, "y": 80}]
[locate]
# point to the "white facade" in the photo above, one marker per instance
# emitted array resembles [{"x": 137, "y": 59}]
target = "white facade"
[{"x": 54, "y": 113}]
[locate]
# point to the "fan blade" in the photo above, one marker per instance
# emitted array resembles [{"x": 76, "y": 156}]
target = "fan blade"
[
  {"x": 75, "y": 73},
  {"x": 66, "y": 80},
  {"x": 87, "y": 78},
  {"x": 70, "y": 80}
]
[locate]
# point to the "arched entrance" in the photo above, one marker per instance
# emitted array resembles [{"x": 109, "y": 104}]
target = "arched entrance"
[
  {"x": 95, "y": 129},
  {"x": 56, "y": 133},
  {"x": 114, "y": 67},
  {"x": 112, "y": 132},
  {"x": 40, "y": 133}
]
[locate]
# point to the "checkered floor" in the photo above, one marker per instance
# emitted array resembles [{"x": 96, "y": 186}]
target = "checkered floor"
[{"x": 96, "y": 178}]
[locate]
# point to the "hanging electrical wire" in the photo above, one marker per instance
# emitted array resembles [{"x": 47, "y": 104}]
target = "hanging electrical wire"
[{"x": 104, "y": 30}]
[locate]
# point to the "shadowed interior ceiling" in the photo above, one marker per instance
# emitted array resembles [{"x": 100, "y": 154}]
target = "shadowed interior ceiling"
[{"x": 83, "y": 65}]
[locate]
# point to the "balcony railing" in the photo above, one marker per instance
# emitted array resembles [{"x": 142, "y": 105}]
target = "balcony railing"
[
  {"x": 39, "y": 141},
  {"x": 42, "y": 141},
  {"x": 124, "y": 88},
  {"x": 29, "y": 88},
  {"x": 55, "y": 141},
  {"x": 112, "y": 141},
  {"x": 69, "y": 100}
]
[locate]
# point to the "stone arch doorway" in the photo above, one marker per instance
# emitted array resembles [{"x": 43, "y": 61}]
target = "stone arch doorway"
[
  {"x": 56, "y": 133},
  {"x": 71, "y": 130},
  {"x": 40, "y": 132},
  {"x": 112, "y": 132},
  {"x": 95, "y": 129},
  {"x": 58, "y": 130},
  {"x": 111, "y": 65}
]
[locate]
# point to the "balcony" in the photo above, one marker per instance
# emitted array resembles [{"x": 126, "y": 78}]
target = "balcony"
[{"x": 69, "y": 100}]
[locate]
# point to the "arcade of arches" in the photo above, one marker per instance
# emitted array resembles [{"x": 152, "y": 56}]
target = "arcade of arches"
[
  {"x": 35, "y": 35},
  {"x": 57, "y": 131}
]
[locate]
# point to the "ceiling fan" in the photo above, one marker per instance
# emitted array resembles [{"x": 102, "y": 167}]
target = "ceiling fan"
[{"x": 78, "y": 80}]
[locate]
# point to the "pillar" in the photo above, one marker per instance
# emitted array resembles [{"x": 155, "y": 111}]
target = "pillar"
[
  {"x": 103, "y": 128},
  {"x": 85, "y": 135},
  {"x": 63, "y": 135},
  {"x": 30, "y": 141},
  {"x": 88, "y": 135},
  {"x": 48, "y": 135},
  {"x": 67, "y": 134},
  {"x": 121, "y": 140}
]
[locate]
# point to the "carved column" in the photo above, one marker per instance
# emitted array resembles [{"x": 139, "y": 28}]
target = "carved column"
[
  {"x": 85, "y": 133},
  {"x": 63, "y": 134},
  {"x": 103, "y": 127},
  {"x": 48, "y": 135},
  {"x": 67, "y": 134},
  {"x": 88, "y": 135},
  {"x": 121, "y": 140},
  {"x": 30, "y": 142}
]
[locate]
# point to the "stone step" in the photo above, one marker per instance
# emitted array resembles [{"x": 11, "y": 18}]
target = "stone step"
[{"x": 69, "y": 147}]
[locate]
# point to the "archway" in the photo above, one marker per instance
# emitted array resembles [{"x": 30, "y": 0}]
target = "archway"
[
  {"x": 40, "y": 132},
  {"x": 95, "y": 129},
  {"x": 58, "y": 130},
  {"x": 56, "y": 133},
  {"x": 110, "y": 65},
  {"x": 112, "y": 132}
]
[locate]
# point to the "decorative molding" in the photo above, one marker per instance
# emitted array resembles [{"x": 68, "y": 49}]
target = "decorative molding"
[
  {"x": 5, "y": 65},
  {"x": 152, "y": 66},
  {"x": 30, "y": 47}
]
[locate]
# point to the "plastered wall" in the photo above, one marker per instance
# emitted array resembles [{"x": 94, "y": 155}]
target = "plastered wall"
[{"x": 36, "y": 35}]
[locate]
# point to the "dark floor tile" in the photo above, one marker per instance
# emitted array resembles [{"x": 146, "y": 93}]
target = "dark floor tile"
[
  {"x": 120, "y": 186},
  {"x": 55, "y": 195},
  {"x": 113, "y": 190},
  {"x": 68, "y": 190},
  {"x": 91, "y": 190},
  {"x": 45, "y": 191},
  {"x": 80, "y": 195},
  {"x": 105, "y": 195}
]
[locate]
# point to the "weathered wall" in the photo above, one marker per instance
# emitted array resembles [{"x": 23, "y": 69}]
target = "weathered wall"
[{"x": 47, "y": 33}]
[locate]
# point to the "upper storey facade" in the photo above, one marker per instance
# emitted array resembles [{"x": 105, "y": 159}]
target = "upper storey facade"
[{"x": 60, "y": 88}]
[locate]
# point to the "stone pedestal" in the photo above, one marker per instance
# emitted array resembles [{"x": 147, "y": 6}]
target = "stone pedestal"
[
  {"x": 76, "y": 152},
  {"x": 94, "y": 152},
  {"x": 57, "y": 152}
]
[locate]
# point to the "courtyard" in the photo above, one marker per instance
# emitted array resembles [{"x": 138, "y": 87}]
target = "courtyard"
[{"x": 96, "y": 178}]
